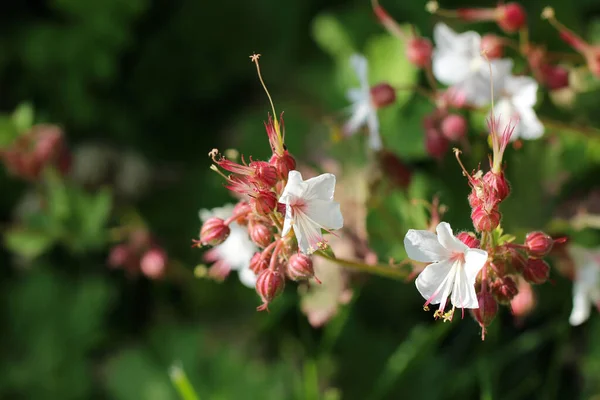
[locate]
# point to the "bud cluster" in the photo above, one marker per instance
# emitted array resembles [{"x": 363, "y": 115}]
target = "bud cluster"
[
  {"x": 139, "y": 253},
  {"x": 442, "y": 127},
  {"x": 44, "y": 145}
]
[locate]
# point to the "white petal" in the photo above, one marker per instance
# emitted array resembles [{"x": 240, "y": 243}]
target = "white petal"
[
  {"x": 287, "y": 222},
  {"x": 360, "y": 114},
  {"x": 307, "y": 233},
  {"x": 530, "y": 126},
  {"x": 522, "y": 89},
  {"x": 223, "y": 212},
  {"x": 475, "y": 259},
  {"x": 320, "y": 187},
  {"x": 581, "y": 305},
  {"x": 237, "y": 250},
  {"x": 373, "y": 124},
  {"x": 449, "y": 67},
  {"x": 360, "y": 65},
  {"x": 325, "y": 213},
  {"x": 506, "y": 115},
  {"x": 423, "y": 246},
  {"x": 247, "y": 277},
  {"x": 358, "y": 95},
  {"x": 432, "y": 281},
  {"x": 463, "y": 292},
  {"x": 293, "y": 189},
  {"x": 448, "y": 240}
]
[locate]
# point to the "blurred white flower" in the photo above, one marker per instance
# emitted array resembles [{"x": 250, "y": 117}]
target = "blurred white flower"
[
  {"x": 586, "y": 288},
  {"x": 453, "y": 269},
  {"x": 236, "y": 251},
  {"x": 309, "y": 209},
  {"x": 364, "y": 111}
]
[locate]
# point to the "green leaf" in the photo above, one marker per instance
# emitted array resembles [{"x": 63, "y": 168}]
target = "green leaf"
[
  {"x": 8, "y": 131},
  {"x": 332, "y": 37},
  {"x": 28, "y": 243},
  {"x": 22, "y": 117}
]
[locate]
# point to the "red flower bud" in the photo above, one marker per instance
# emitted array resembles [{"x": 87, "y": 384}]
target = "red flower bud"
[
  {"x": 454, "y": 127},
  {"x": 485, "y": 221},
  {"x": 214, "y": 232},
  {"x": 259, "y": 263},
  {"x": 493, "y": 46},
  {"x": 283, "y": 164},
  {"x": 498, "y": 185},
  {"x": 524, "y": 302},
  {"x": 488, "y": 308},
  {"x": 119, "y": 256},
  {"x": 418, "y": 51},
  {"x": 511, "y": 17},
  {"x": 517, "y": 260},
  {"x": 382, "y": 95},
  {"x": 154, "y": 263},
  {"x": 469, "y": 239},
  {"x": 241, "y": 211},
  {"x": 260, "y": 234},
  {"x": 538, "y": 244},
  {"x": 264, "y": 202},
  {"x": 435, "y": 144},
  {"x": 264, "y": 173},
  {"x": 554, "y": 76},
  {"x": 269, "y": 284},
  {"x": 300, "y": 267},
  {"x": 536, "y": 271},
  {"x": 504, "y": 289}
]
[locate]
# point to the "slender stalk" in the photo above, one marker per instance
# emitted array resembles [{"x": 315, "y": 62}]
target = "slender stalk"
[
  {"x": 386, "y": 271},
  {"x": 182, "y": 384}
]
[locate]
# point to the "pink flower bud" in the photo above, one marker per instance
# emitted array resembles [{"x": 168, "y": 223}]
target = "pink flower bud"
[
  {"x": 382, "y": 95},
  {"x": 524, "y": 302},
  {"x": 493, "y": 46},
  {"x": 241, "y": 211},
  {"x": 260, "y": 234},
  {"x": 538, "y": 244},
  {"x": 498, "y": 185},
  {"x": 504, "y": 289},
  {"x": 300, "y": 267},
  {"x": 454, "y": 127},
  {"x": 511, "y": 17},
  {"x": 153, "y": 264},
  {"x": 469, "y": 239},
  {"x": 485, "y": 221},
  {"x": 435, "y": 144},
  {"x": 264, "y": 202},
  {"x": 536, "y": 271},
  {"x": 259, "y": 263},
  {"x": 517, "y": 260},
  {"x": 264, "y": 173},
  {"x": 269, "y": 284},
  {"x": 283, "y": 164},
  {"x": 214, "y": 232},
  {"x": 555, "y": 76},
  {"x": 119, "y": 256},
  {"x": 418, "y": 51},
  {"x": 488, "y": 308}
]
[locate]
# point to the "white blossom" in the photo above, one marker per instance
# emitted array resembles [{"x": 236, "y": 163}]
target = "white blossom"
[
  {"x": 237, "y": 250},
  {"x": 586, "y": 288},
  {"x": 364, "y": 111},
  {"x": 453, "y": 269},
  {"x": 309, "y": 209}
]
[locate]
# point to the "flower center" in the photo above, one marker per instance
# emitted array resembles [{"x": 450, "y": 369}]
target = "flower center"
[{"x": 458, "y": 256}]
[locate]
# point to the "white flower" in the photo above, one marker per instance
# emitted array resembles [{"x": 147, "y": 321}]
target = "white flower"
[
  {"x": 364, "y": 111},
  {"x": 457, "y": 62},
  {"x": 237, "y": 250},
  {"x": 453, "y": 269},
  {"x": 310, "y": 208},
  {"x": 518, "y": 95},
  {"x": 586, "y": 289}
]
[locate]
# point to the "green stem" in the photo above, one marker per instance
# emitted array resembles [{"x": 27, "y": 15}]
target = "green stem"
[
  {"x": 182, "y": 384},
  {"x": 386, "y": 271}
]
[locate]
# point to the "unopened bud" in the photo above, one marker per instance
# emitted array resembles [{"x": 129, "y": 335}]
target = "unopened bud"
[
  {"x": 497, "y": 184},
  {"x": 283, "y": 164},
  {"x": 264, "y": 202},
  {"x": 511, "y": 17},
  {"x": 454, "y": 127},
  {"x": 524, "y": 302},
  {"x": 264, "y": 173},
  {"x": 382, "y": 95},
  {"x": 119, "y": 256},
  {"x": 435, "y": 143},
  {"x": 300, "y": 267},
  {"x": 418, "y": 51},
  {"x": 469, "y": 239},
  {"x": 260, "y": 234},
  {"x": 153, "y": 263},
  {"x": 504, "y": 289},
  {"x": 492, "y": 46},
  {"x": 214, "y": 232},
  {"x": 488, "y": 308},
  {"x": 269, "y": 284},
  {"x": 538, "y": 244},
  {"x": 536, "y": 271},
  {"x": 241, "y": 211},
  {"x": 484, "y": 220},
  {"x": 517, "y": 260},
  {"x": 555, "y": 76},
  {"x": 259, "y": 263}
]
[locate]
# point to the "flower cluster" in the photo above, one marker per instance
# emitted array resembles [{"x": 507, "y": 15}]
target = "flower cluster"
[
  {"x": 278, "y": 222},
  {"x": 139, "y": 252}
]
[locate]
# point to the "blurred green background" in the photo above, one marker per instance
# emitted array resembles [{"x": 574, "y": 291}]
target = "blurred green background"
[{"x": 170, "y": 80}]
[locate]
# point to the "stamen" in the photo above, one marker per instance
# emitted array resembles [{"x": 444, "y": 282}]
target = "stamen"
[
  {"x": 254, "y": 58},
  {"x": 457, "y": 153}
]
